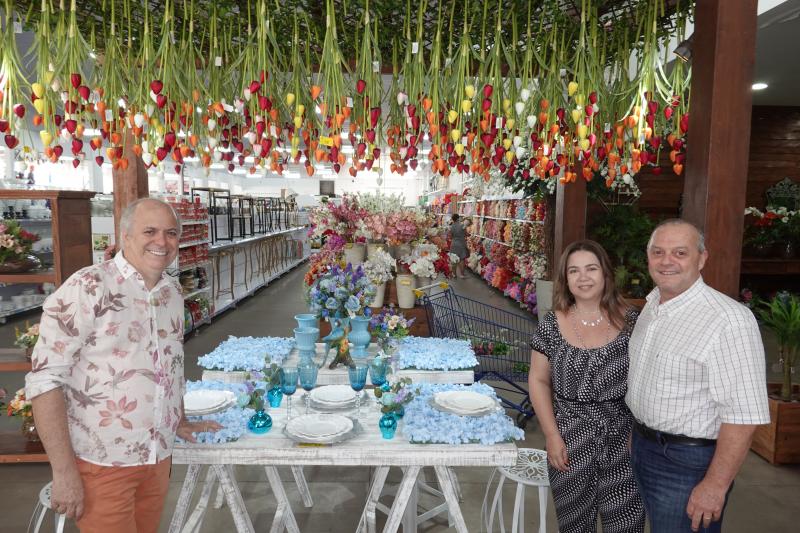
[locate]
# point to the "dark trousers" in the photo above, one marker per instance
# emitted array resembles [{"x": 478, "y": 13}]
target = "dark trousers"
[{"x": 666, "y": 475}]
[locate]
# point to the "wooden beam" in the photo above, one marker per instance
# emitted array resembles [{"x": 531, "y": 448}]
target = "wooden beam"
[
  {"x": 723, "y": 54},
  {"x": 570, "y": 224},
  {"x": 129, "y": 184}
]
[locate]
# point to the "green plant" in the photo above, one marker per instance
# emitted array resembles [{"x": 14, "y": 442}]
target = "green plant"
[
  {"x": 624, "y": 231},
  {"x": 781, "y": 315}
]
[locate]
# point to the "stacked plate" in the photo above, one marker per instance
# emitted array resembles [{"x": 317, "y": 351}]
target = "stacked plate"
[
  {"x": 206, "y": 402},
  {"x": 333, "y": 397},
  {"x": 319, "y": 428},
  {"x": 464, "y": 403}
]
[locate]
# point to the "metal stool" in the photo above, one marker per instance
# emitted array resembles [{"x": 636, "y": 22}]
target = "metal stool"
[
  {"x": 41, "y": 509},
  {"x": 530, "y": 470}
]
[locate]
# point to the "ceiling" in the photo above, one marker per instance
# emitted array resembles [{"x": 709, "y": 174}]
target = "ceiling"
[{"x": 778, "y": 55}]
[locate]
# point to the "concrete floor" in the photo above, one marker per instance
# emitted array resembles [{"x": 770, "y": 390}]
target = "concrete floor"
[{"x": 764, "y": 499}]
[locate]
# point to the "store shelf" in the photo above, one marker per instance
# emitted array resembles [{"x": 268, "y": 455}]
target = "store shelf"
[
  {"x": 46, "y": 276},
  {"x": 5, "y": 314},
  {"x": 197, "y": 292},
  {"x": 247, "y": 240},
  {"x": 194, "y": 326},
  {"x": 33, "y": 220},
  {"x": 192, "y": 266},
  {"x": 771, "y": 266},
  {"x": 14, "y": 448},
  {"x": 510, "y": 219},
  {"x": 493, "y": 240},
  {"x": 193, "y": 243},
  {"x": 194, "y": 222},
  {"x": 13, "y": 360}
]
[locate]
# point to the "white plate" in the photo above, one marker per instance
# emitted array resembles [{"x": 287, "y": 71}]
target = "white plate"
[
  {"x": 205, "y": 400},
  {"x": 333, "y": 395},
  {"x": 465, "y": 402},
  {"x": 319, "y": 427}
]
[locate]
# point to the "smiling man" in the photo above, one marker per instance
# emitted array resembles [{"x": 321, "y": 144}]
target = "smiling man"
[
  {"x": 696, "y": 387},
  {"x": 107, "y": 380}
]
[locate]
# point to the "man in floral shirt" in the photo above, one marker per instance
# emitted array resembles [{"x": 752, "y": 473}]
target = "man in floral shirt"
[{"x": 107, "y": 379}]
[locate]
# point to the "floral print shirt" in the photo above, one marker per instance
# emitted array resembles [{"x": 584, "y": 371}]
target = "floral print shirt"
[{"x": 116, "y": 350}]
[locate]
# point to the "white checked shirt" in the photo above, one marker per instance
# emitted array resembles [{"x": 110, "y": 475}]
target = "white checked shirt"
[{"x": 696, "y": 361}]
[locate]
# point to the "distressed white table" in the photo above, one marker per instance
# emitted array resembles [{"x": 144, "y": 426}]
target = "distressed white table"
[
  {"x": 338, "y": 376},
  {"x": 366, "y": 449}
]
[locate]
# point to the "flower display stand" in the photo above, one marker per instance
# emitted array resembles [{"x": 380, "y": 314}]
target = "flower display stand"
[{"x": 779, "y": 441}]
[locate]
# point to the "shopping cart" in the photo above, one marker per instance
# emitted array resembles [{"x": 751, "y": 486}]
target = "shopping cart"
[{"x": 500, "y": 339}]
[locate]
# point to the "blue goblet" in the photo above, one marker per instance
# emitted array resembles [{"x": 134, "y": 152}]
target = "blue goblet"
[
  {"x": 358, "y": 378},
  {"x": 377, "y": 371},
  {"x": 308, "y": 380},
  {"x": 288, "y": 386}
]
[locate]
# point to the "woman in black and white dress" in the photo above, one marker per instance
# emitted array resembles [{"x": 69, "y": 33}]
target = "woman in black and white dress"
[{"x": 578, "y": 381}]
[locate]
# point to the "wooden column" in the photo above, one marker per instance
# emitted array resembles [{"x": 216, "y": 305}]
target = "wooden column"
[
  {"x": 570, "y": 217},
  {"x": 714, "y": 190},
  {"x": 129, "y": 184}
]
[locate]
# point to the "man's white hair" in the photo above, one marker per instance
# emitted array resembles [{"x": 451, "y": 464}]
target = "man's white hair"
[
  {"x": 701, "y": 239},
  {"x": 129, "y": 214}
]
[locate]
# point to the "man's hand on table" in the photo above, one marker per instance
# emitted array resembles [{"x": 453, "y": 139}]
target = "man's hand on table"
[{"x": 186, "y": 428}]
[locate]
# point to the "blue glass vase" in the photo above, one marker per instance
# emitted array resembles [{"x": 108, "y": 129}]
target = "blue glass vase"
[
  {"x": 388, "y": 425},
  {"x": 399, "y": 412},
  {"x": 260, "y": 422},
  {"x": 359, "y": 336},
  {"x": 274, "y": 397}
]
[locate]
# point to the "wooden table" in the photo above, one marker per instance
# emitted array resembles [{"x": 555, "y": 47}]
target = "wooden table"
[
  {"x": 339, "y": 376},
  {"x": 366, "y": 449}
]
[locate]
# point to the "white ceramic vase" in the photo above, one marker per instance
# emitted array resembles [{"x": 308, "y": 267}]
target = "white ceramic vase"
[
  {"x": 354, "y": 253},
  {"x": 379, "y": 294},
  {"x": 405, "y": 291}
]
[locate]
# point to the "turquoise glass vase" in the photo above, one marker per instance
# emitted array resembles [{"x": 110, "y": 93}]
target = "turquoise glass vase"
[
  {"x": 260, "y": 422},
  {"x": 274, "y": 397},
  {"x": 388, "y": 425},
  {"x": 399, "y": 412},
  {"x": 359, "y": 336}
]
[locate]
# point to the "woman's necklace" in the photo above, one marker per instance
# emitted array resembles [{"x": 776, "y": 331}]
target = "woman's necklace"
[
  {"x": 589, "y": 323},
  {"x": 574, "y": 323}
]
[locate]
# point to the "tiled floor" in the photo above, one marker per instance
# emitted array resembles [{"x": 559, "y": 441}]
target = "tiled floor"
[{"x": 764, "y": 498}]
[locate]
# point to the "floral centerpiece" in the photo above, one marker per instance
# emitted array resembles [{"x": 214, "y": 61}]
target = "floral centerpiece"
[
  {"x": 401, "y": 227},
  {"x": 389, "y": 326},
  {"x": 398, "y": 395},
  {"x": 15, "y": 245},
  {"x": 338, "y": 296},
  {"x": 340, "y": 219},
  {"x": 427, "y": 260},
  {"x": 27, "y": 339}
]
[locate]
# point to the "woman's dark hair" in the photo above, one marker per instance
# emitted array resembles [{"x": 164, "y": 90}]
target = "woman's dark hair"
[
  {"x": 611, "y": 302},
  {"x": 455, "y": 217}
]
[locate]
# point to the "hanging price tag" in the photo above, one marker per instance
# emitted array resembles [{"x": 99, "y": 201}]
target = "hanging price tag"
[
  {"x": 498, "y": 123},
  {"x": 273, "y": 131},
  {"x": 218, "y": 61},
  {"x": 376, "y": 66},
  {"x": 447, "y": 61},
  {"x": 415, "y": 47},
  {"x": 17, "y": 26}
]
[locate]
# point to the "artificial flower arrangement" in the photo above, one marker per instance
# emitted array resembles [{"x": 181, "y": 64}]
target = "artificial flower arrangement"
[
  {"x": 341, "y": 292},
  {"x": 26, "y": 339},
  {"x": 394, "y": 399},
  {"x": 330, "y": 254},
  {"x": 15, "y": 242},
  {"x": 389, "y": 324},
  {"x": 379, "y": 203},
  {"x": 420, "y": 261},
  {"x": 378, "y": 268},
  {"x": 773, "y": 225},
  {"x": 401, "y": 227},
  {"x": 20, "y": 406},
  {"x": 341, "y": 219}
]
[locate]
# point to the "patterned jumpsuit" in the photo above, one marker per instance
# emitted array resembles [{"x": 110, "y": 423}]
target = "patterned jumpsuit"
[{"x": 589, "y": 390}]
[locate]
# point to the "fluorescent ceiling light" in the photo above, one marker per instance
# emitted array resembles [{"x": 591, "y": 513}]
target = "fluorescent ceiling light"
[{"x": 760, "y": 86}]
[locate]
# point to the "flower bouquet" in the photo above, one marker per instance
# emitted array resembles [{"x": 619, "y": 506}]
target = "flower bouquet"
[
  {"x": 27, "y": 339},
  {"x": 389, "y": 325},
  {"x": 15, "y": 248},
  {"x": 22, "y": 407},
  {"x": 338, "y": 296},
  {"x": 401, "y": 228}
]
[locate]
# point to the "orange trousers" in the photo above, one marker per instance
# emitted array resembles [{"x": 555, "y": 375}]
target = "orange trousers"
[{"x": 123, "y": 499}]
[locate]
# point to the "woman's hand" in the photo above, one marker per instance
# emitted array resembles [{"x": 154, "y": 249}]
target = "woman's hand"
[{"x": 557, "y": 453}]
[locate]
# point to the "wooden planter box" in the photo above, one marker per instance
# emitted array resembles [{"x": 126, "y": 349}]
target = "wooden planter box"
[{"x": 779, "y": 441}]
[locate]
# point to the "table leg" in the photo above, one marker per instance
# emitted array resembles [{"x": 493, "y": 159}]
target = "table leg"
[
  {"x": 184, "y": 498},
  {"x": 401, "y": 501},
  {"x": 302, "y": 486},
  {"x": 284, "y": 517},
  {"x": 196, "y": 518},
  {"x": 446, "y": 483},
  {"x": 235, "y": 502},
  {"x": 367, "y": 522}
]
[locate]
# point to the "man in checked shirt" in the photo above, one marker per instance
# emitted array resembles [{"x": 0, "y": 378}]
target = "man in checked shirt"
[
  {"x": 696, "y": 387},
  {"x": 107, "y": 379}
]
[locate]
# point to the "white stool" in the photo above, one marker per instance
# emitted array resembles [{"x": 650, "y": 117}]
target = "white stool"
[
  {"x": 41, "y": 509},
  {"x": 530, "y": 470}
]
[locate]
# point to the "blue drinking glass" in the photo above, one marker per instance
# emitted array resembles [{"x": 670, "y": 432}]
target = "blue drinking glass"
[
  {"x": 288, "y": 387},
  {"x": 377, "y": 371},
  {"x": 308, "y": 380},
  {"x": 358, "y": 379}
]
